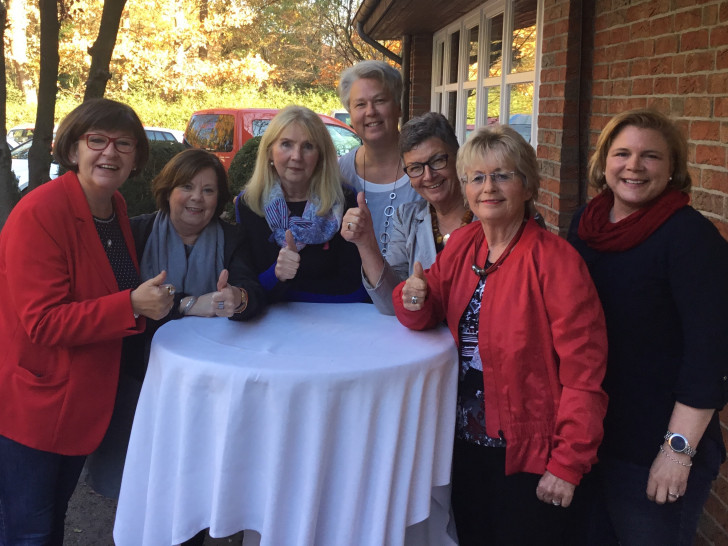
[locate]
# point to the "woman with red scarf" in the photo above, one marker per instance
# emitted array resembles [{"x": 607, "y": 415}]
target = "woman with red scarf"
[{"x": 660, "y": 269}]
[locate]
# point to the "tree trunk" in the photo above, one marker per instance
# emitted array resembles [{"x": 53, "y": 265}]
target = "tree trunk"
[
  {"x": 18, "y": 57},
  {"x": 8, "y": 184},
  {"x": 39, "y": 159},
  {"x": 103, "y": 48}
]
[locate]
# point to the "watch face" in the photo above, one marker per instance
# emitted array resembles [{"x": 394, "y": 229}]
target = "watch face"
[{"x": 677, "y": 443}]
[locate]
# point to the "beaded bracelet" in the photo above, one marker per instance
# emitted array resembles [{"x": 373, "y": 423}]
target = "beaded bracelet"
[{"x": 673, "y": 459}]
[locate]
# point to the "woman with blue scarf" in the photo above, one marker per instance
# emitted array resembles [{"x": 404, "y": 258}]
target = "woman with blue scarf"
[
  {"x": 203, "y": 257},
  {"x": 290, "y": 214}
]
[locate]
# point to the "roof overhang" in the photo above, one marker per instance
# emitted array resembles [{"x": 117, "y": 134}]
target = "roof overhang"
[{"x": 392, "y": 19}]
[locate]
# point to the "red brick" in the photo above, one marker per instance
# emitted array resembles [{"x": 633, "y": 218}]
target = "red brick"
[
  {"x": 639, "y": 67},
  {"x": 723, "y": 13},
  {"x": 718, "y": 83},
  {"x": 640, "y": 29},
  {"x": 724, "y": 132},
  {"x": 665, "y": 45},
  {"x": 642, "y": 86},
  {"x": 697, "y": 107},
  {"x": 694, "y": 40},
  {"x": 699, "y": 62},
  {"x": 710, "y": 16},
  {"x": 717, "y": 180},
  {"x": 619, "y": 70},
  {"x": 662, "y": 25},
  {"x": 665, "y": 85},
  {"x": 710, "y": 155},
  {"x": 688, "y": 85},
  {"x": 721, "y": 59},
  {"x": 719, "y": 36},
  {"x": 622, "y": 88},
  {"x": 705, "y": 130},
  {"x": 620, "y": 35},
  {"x": 678, "y": 64},
  {"x": 721, "y": 107},
  {"x": 661, "y": 65},
  {"x": 688, "y": 19},
  {"x": 661, "y": 104}
]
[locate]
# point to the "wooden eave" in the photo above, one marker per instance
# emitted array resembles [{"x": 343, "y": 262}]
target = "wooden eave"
[{"x": 392, "y": 19}]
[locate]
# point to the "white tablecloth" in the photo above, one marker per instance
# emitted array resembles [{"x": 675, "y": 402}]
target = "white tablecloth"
[{"x": 315, "y": 424}]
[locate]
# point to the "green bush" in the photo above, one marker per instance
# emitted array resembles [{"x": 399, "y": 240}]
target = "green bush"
[
  {"x": 241, "y": 168},
  {"x": 137, "y": 191}
]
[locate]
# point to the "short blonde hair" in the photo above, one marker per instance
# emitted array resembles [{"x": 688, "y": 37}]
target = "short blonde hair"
[
  {"x": 643, "y": 119},
  {"x": 326, "y": 177},
  {"x": 387, "y": 75},
  {"x": 507, "y": 145}
]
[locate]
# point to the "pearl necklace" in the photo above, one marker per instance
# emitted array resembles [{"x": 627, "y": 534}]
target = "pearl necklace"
[{"x": 384, "y": 236}]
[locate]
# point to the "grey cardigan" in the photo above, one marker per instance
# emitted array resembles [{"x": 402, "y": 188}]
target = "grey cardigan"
[{"x": 412, "y": 241}]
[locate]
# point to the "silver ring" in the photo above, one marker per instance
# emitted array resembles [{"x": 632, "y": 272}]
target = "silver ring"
[
  {"x": 221, "y": 305},
  {"x": 414, "y": 300},
  {"x": 170, "y": 289},
  {"x": 555, "y": 503},
  {"x": 673, "y": 495},
  {"x": 348, "y": 226}
]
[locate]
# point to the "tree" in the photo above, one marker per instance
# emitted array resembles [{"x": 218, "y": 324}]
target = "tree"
[
  {"x": 18, "y": 41},
  {"x": 8, "y": 184},
  {"x": 103, "y": 48},
  {"x": 39, "y": 160}
]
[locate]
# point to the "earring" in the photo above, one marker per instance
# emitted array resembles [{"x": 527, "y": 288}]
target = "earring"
[{"x": 270, "y": 162}]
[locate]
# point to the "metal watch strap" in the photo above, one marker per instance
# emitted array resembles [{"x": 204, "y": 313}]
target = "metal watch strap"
[{"x": 687, "y": 450}]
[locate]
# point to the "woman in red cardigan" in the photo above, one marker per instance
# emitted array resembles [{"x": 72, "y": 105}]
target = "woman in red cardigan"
[
  {"x": 531, "y": 337},
  {"x": 69, "y": 286}
]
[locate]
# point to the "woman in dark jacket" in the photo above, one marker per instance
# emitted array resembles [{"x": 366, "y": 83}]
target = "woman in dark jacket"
[
  {"x": 660, "y": 269},
  {"x": 204, "y": 256}
]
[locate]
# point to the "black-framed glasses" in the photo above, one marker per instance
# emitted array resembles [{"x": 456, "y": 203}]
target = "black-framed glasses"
[
  {"x": 497, "y": 178},
  {"x": 99, "y": 142},
  {"x": 435, "y": 163}
]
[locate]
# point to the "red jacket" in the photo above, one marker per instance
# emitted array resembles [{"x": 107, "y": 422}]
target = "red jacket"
[
  {"x": 62, "y": 319},
  {"x": 542, "y": 340}
]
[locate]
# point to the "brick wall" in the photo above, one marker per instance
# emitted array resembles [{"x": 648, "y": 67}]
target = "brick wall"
[
  {"x": 420, "y": 74},
  {"x": 600, "y": 58}
]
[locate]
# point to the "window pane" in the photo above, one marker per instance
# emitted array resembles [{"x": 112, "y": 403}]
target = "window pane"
[
  {"x": 452, "y": 103},
  {"x": 440, "y": 55},
  {"x": 523, "y": 47},
  {"x": 492, "y": 96},
  {"x": 212, "y": 132},
  {"x": 454, "y": 55},
  {"x": 495, "y": 46},
  {"x": 470, "y": 121},
  {"x": 521, "y": 108},
  {"x": 473, "y": 54}
]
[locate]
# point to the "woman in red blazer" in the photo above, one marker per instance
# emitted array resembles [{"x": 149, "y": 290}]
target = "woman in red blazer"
[{"x": 69, "y": 287}]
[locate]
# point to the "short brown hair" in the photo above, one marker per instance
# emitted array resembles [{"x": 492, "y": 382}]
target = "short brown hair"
[
  {"x": 643, "y": 119},
  {"x": 103, "y": 115},
  {"x": 184, "y": 167}
]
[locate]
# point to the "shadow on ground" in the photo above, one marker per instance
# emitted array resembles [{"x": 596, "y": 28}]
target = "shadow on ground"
[{"x": 90, "y": 520}]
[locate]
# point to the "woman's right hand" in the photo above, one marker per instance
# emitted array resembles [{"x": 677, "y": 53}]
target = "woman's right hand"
[
  {"x": 288, "y": 259},
  {"x": 153, "y": 299},
  {"x": 356, "y": 225},
  {"x": 414, "y": 291}
]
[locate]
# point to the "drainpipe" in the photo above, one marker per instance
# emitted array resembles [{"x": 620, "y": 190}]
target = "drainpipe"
[{"x": 376, "y": 45}]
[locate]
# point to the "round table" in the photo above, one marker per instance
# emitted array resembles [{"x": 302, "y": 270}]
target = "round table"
[{"x": 315, "y": 424}]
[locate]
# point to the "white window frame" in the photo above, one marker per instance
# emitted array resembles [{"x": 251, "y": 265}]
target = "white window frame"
[{"x": 442, "y": 58}]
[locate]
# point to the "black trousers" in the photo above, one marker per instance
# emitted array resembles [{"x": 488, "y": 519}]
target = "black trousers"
[{"x": 491, "y": 508}]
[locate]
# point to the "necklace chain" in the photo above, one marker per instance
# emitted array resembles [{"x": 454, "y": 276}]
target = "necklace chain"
[
  {"x": 441, "y": 239},
  {"x": 389, "y": 209}
]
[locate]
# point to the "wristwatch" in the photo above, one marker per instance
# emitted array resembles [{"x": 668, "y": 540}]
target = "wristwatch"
[{"x": 678, "y": 443}]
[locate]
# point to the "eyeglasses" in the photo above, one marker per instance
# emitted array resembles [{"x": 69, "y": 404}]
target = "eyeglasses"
[
  {"x": 97, "y": 142},
  {"x": 436, "y": 163},
  {"x": 497, "y": 178}
]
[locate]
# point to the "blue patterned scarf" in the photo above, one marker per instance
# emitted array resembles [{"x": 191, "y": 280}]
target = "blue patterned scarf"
[{"x": 308, "y": 229}]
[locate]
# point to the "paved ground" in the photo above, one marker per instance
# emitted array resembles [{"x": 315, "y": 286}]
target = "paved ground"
[{"x": 90, "y": 520}]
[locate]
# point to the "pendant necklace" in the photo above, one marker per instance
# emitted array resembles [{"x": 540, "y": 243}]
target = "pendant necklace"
[
  {"x": 388, "y": 210},
  {"x": 108, "y": 241},
  {"x": 441, "y": 239}
]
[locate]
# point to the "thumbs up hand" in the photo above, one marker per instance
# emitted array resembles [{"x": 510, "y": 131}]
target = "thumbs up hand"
[
  {"x": 414, "y": 291},
  {"x": 356, "y": 226},
  {"x": 153, "y": 298},
  {"x": 222, "y": 302},
  {"x": 288, "y": 259}
]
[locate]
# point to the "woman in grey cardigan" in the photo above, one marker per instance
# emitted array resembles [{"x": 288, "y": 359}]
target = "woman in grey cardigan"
[{"x": 420, "y": 229}]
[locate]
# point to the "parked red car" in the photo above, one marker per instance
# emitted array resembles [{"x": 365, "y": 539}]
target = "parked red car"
[{"x": 223, "y": 131}]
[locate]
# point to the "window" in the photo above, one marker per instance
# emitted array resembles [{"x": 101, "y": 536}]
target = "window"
[
  {"x": 211, "y": 132},
  {"x": 485, "y": 67}
]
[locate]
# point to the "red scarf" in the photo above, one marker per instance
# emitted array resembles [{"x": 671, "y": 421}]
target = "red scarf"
[{"x": 599, "y": 233}]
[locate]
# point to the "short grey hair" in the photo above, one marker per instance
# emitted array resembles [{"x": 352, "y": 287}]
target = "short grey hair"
[
  {"x": 380, "y": 71},
  {"x": 429, "y": 125},
  {"x": 507, "y": 145}
]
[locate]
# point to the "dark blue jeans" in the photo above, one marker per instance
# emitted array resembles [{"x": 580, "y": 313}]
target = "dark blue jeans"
[
  {"x": 35, "y": 487},
  {"x": 622, "y": 513}
]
